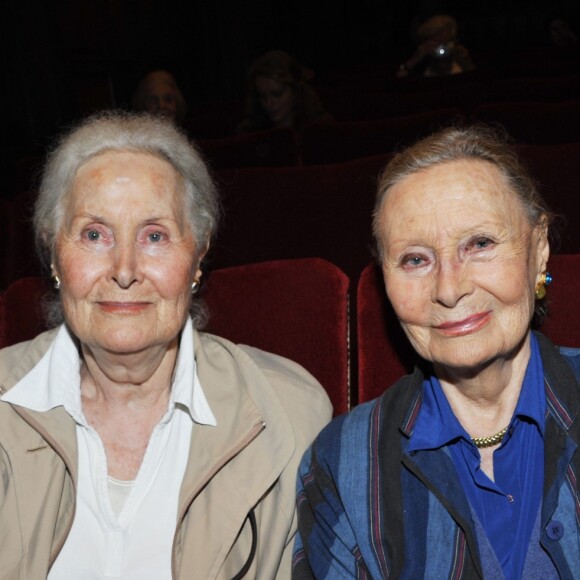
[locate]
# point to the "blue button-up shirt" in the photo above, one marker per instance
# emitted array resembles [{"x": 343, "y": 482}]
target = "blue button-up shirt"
[{"x": 507, "y": 507}]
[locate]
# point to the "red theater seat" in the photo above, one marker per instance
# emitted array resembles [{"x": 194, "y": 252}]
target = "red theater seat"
[
  {"x": 534, "y": 123},
  {"x": 4, "y": 221},
  {"x": 298, "y": 212},
  {"x": 338, "y": 142},
  {"x": 384, "y": 353},
  {"x": 294, "y": 308},
  {"x": 542, "y": 90},
  {"x": 563, "y": 322},
  {"x": 555, "y": 169},
  {"x": 20, "y": 310},
  {"x": 20, "y": 255},
  {"x": 274, "y": 148},
  {"x": 350, "y": 104}
]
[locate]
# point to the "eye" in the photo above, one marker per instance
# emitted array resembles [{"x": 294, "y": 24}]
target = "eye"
[
  {"x": 93, "y": 235},
  {"x": 480, "y": 243},
  {"x": 155, "y": 237},
  {"x": 413, "y": 261},
  {"x": 96, "y": 236}
]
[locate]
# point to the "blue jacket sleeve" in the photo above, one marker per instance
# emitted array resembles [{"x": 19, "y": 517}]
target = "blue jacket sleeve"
[{"x": 326, "y": 546}]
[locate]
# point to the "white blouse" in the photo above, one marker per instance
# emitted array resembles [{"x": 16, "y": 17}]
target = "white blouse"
[{"x": 121, "y": 529}]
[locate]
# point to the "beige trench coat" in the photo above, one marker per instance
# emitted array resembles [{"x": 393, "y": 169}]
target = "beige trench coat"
[{"x": 268, "y": 410}]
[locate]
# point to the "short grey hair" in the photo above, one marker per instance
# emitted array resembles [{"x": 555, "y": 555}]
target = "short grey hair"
[
  {"x": 477, "y": 142},
  {"x": 122, "y": 131}
]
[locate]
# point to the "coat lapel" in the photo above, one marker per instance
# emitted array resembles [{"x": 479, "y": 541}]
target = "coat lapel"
[{"x": 232, "y": 465}]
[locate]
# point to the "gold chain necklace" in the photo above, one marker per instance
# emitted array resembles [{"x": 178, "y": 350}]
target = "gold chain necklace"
[{"x": 490, "y": 441}]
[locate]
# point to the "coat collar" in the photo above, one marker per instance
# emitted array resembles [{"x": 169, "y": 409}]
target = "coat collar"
[{"x": 55, "y": 425}]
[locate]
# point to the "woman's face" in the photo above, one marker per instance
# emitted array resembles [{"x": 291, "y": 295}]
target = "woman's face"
[
  {"x": 461, "y": 263},
  {"x": 277, "y": 100},
  {"x": 161, "y": 98},
  {"x": 126, "y": 254}
]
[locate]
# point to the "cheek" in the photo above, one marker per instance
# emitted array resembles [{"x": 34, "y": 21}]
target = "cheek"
[
  {"x": 413, "y": 313},
  {"x": 77, "y": 272},
  {"x": 511, "y": 286},
  {"x": 410, "y": 300},
  {"x": 172, "y": 276}
]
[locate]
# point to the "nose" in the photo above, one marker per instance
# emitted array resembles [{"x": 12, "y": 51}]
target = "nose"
[
  {"x": 125, "y": 269},
  {"x": 452, "y": 282}
]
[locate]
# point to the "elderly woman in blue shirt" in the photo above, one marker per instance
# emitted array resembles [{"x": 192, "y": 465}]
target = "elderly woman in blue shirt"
[{"x": 466, "y": 468}]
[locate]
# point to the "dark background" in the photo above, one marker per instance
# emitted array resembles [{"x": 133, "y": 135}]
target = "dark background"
[{"x": 66, "y": 58}]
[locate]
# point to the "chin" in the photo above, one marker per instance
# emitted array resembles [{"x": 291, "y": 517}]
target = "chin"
[
  {"x": 472, "y": 356},
  {"x": 126, "y": 341}
]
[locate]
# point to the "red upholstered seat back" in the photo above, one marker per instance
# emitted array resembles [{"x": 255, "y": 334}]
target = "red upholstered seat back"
[
  {"x": 563, "y": 322},
  {"x": 555, "y": 168},
  {"x": 4, "y": 239},
  {"x": 534, "y": 123},
  {"x": 21, "y": 259},
  {"x": 20, "y": 310},
  {"x": 294, "y": 308},
  {"x": 385, "y": 354},
  {"x": 273, "y": 148},
  {"x": 298, "y": 212},
  {"x": 338, "y": 142}
]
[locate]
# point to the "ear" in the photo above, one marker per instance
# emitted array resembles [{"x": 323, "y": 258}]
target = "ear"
[
  {"x": 199, "y": 260},
  {"x": 542, "y": 246}
]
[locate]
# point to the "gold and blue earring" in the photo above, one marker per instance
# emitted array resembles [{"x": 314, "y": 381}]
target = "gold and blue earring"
[{"x": 544, "y": 281}]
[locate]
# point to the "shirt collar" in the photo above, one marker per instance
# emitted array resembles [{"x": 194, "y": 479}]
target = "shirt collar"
[
  {"x": 55, "y": 380},
  {"x": 437, "y": 425},
  {"x": 184, "y": 376}
]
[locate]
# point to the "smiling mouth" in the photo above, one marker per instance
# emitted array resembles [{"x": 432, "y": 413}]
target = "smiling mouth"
[
  {"x": 123, "y": 307},
  {"x": 466, "y": 326}
]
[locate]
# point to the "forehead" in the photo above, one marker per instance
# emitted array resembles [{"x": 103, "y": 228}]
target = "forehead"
[
  {"x": 122, "y": 173},
  {"x": 455, "y": 195}
]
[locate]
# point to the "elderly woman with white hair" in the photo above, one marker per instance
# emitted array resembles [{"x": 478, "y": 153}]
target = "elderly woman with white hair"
[{"x": 131, "y": 445}]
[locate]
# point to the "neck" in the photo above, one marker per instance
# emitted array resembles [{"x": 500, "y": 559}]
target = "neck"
[
  {"x": 484, "y": 400},
  {"x": 122, "y": 379}
]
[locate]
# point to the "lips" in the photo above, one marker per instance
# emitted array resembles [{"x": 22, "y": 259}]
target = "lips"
[
  {"x": 465, "y": 326},
  {"x": 123, "y": 307}
]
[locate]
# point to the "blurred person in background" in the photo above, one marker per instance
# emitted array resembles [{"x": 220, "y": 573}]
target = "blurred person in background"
[
  {"x": 157, "y": 93},
  {"x": 279, "y": 95},
  {"x": 438, "y": 51}
]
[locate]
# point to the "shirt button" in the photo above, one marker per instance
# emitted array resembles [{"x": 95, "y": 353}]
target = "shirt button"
[
  {"x": 510, "y": 498},
  {"x": 555, "y": 530}
]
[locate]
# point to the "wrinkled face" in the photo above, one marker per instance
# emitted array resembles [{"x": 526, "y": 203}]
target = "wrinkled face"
[
  {"x": 126, "y": 254},
  {"x": 277, "y": 100},
  {"x": 161, "y": 98},
  {"x": 461, "y": 262}
]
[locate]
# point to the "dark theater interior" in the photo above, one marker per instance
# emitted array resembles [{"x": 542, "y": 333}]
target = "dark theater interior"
[{"x": 293, "y": 193}]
